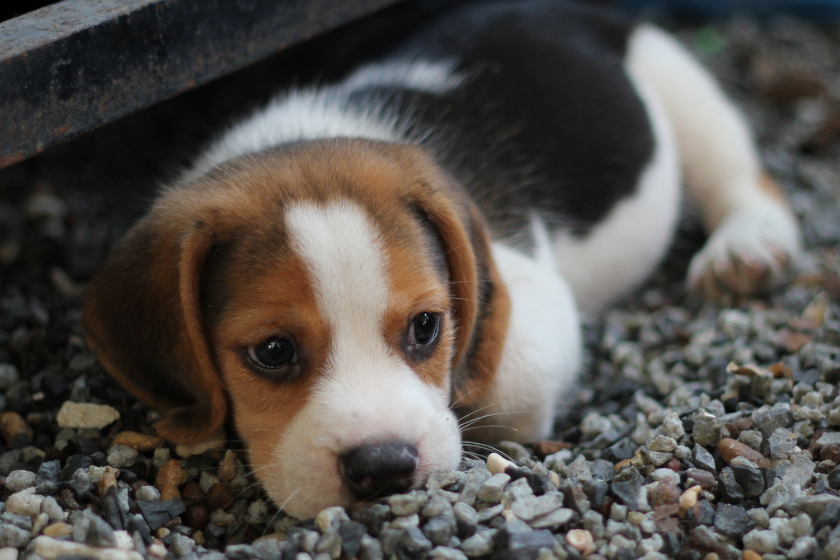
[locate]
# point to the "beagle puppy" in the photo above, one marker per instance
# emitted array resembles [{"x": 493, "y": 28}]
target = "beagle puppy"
[{"x": 360, "y": 271}]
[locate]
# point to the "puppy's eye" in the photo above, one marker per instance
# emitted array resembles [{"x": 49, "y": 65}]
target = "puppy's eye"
[
  {"x": 273, "y": 354},
  {"x": 424, "y": 329},
  {"x": 422, "y": 335}
]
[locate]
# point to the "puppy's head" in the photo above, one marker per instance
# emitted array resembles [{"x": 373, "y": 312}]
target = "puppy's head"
[{"x": 326, "y": 298}]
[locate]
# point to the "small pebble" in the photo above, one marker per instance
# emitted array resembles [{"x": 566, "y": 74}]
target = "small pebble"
[
  {"x": 171, "y": 474},
  {"x": 492, "y": 489},
  {"x": 121, "y": 456},
  {"x": 227, "y": 468},
  {"x": 581, "y": 540},
  {"x": 730, "y": 448},
  {"x": 12, "y": 425},
  {"x": 497, "y": 464},
  {"x": 137, "y": 441},
  {"x": 20, "y": 480},
  {"x": 148, "y": 493},
  {"x": 688, "y": 499},
  {"x": 86, "y": 415}
]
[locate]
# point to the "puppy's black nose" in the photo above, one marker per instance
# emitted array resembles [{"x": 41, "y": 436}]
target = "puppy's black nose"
[{"x": 379, "y": 470}]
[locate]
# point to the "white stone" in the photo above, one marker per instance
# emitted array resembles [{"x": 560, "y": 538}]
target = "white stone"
[
  {"x": 86, "y": 415},
  {"x": 20, "y": 480},
  {"x": 123, "y": 540},
  {"x": 665, "y": 474},
  {"x": 25, "y": 502},
  {"x": 206, "y": 481},
  {"x": 52, "y": 509},
  {"x": 50, "y": 549},
  {"x": 148, "y": 494},
  {"x": 41, "y": 520},
  {"x": 446, "y": 553},
  {"x": 802, "y": 548},
  {"x": 652, "y": 544},
  {"x": 497, "y": 464},
  {"x": 763, "y": 542},
  {"x": 121, "y": 456}
]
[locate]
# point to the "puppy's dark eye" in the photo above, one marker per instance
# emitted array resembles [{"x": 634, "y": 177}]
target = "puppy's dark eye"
[
  {"x": 272, "y": 354},
  {"x": 422, "y": 335}
]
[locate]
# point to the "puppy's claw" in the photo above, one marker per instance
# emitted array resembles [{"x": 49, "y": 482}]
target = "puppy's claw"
[{"x": 749, "y": 253}]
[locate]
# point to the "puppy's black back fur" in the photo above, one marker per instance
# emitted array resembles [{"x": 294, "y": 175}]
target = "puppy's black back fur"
[{"x": 547, "y": 118}]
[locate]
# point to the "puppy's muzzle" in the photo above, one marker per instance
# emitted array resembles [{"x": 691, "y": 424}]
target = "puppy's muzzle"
[{"x": 379, "y": 469}]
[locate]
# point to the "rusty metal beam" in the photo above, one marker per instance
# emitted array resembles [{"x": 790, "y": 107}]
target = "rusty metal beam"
[{"x": 77, "y": 64}]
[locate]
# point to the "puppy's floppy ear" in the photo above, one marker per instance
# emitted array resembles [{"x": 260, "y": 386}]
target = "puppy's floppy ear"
[
  {"x": 480, "y": 299},
  {"x": 142, "y": 317}
]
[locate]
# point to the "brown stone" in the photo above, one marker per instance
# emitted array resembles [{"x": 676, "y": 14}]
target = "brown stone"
[
  {"x": 663, "y": 493},
  {"x": 108, "y": 479},
  {"x": 173, "y": 523},
  {"x": 196, "y": 517},
  {"x": 750, "y": 555},
  {"x": 743, "y": 423},
  {"x": 67, "y": 500},
  {"x": 750, "y": 370},
  {"x": 705, "y": 479},
  {"x": 192, "y": 491},
  {"x": 170, "y": 474},
  {"x": 785, "y": 87},
  {"x": 621, "y": 464},
  {"x": 665, "y": 511},
  {"x": 792, "y": 341},
  {"x": 545, "y": 448},
  {"x": 219, "y": 496},
  {"x": 730, "y": 448},
  {"x": 12, "y": 425},
  {"x": 169, "y": 493},
  {"x": 781, "y": 370},
  {"x": 59, "y": 529},
  {"x": 199, "y": 539},
  {"x": 830, "y": 453},
  {"x": 227, "y": 468},
  {"x": 733, "y": 429},
  {"x": 673, "y": 464},
  {"x": 137, "y": 441},
  {"x": 688, "y": 499}
]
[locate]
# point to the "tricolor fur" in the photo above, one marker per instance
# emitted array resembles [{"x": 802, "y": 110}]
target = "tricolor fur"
[{"x": 509, "y": 164}]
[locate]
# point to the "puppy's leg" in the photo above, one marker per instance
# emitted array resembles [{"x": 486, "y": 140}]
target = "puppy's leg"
[
  {"x": 541, "y": 357},
  {"x": 753, "y": 234}
]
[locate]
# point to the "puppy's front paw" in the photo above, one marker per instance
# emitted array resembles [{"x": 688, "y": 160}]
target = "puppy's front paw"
[{"x": 749, "y": 252}]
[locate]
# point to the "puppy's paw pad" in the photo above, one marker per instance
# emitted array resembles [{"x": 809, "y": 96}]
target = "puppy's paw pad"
[{"x": 748, "y": 253}]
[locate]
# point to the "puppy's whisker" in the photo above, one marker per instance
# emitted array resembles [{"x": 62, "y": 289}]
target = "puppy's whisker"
[
  {"x": 282, "y": 507},
  {"x": 472, "y": 421},
  {"x": 490, "y": 426},
  {"x": 468, "y": 394},
  {"x": 272, "y": 522},
  {"x": 476, "y": 411}
]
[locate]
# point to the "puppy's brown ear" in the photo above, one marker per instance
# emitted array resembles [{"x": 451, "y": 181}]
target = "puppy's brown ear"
[
  {"x": 143, "y": 318},
  {"x": 480, "y": 299}
]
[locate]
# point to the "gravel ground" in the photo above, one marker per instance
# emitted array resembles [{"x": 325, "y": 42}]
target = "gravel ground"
[{"x": 701, "y": 432}]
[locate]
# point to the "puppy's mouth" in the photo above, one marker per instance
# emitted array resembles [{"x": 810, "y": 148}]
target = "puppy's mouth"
[{"x": 380, "y": 469}]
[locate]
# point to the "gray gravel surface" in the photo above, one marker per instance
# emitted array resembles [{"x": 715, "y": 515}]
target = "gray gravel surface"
[{"x": 701, "y": 431}]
